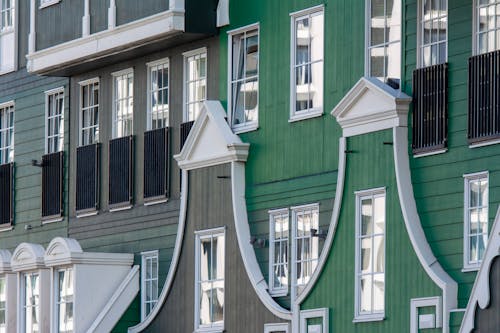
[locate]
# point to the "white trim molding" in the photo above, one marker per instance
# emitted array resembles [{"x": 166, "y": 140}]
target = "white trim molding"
[
  {"x": 27, "y": 256},
  {"x": 480, "y": 295},
  {"x": 416, "y": 303},
  {"x": 371, "y": 106},
  {"x": 276, "y": 327},
  {"x": 222, "y": 13},
  {"x": 95, "y": 46},
  {"x": 314, "y": 313}
]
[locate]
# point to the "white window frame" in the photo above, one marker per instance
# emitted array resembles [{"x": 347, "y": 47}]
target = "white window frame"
[
  {"x": 272, "y": 214},
  {"x": 185, "y": 83},
  {"x": 475, "y": 27},
  {"x": 420, "y": 33},
  {"x": 14, "y": 29},
  {"x": 4, "y": 309},
  {"x": 252, "y": 29},
  {"x": 22, "y": 304},
  {"x": 81, "y": 128},
  {"x": 309, "y": 112},
  {"x": 120, "y": 75},
  {"x": 145, "y": 256},
  {"x": 56, "y": 302},
  {"x": 154, "y": 65},
  {"x": 199, "y": 236},
  {"x": 416, "y": 303},
  {"x": 47, "y": 3},
  {"x": 295, "y": 288},
  {"x": 9, "y": 148},
  {"x": 55, "y": 93},
  {"x": 468, "y": 178},
  {"x": 322, "y": 313},
  {"x": 276, "y": 327},
  {"x": 360, "y": 195}
]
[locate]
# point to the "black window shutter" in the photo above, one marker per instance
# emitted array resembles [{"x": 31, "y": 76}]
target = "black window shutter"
[
  {"x": 87, "y": 177},
  {"x": 156, "y": 163},
  {"x": 120, "y": 171},
  {"x": 6, "y": 193},
  {"x": 52, "y": 185}
]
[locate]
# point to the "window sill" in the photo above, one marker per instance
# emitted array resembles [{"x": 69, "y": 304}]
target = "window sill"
[
  {"x": 471, "y": 269},
  {"x": 6, "y": 228},
  {"x": 240, "y": 129},
  {"x": 120, "y": 208},
  {"x": 430, "y": 153},
  {"x": 210, "y": 330},
  {"x": 49, "y": 220},
  {"x": 484, "y": 143},
  {"x": 48, "y": 3},
  {"x": 157, "y": 201},
  {"x": 278, "y": 293},
  {"x": 368, "y": 318},
  {"x": 305, "y": 115},
  {"x": 86, "y": 213}
]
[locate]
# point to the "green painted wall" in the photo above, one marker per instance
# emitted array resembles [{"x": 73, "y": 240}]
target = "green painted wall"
[{"x": 371, "y": 165}]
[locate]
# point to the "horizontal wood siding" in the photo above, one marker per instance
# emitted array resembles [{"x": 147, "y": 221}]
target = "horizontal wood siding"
[{"x": 131, "y": 10}]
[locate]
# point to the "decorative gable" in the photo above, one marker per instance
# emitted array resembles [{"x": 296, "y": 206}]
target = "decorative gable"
[
  {"x": 371, "y": 106},
  {"x": 211, "y": 140},
  {"x": 27, "y": 256}
]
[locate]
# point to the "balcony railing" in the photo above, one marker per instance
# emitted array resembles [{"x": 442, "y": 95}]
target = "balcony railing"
[
  {"x": 484, "y": 97},
  {"x": 156, "y": 164},
  {"x": 6, "y": 195},
  {"x": 52, "y": 185},
  {"x": 121, "y": 171},
  {"x": 87, "y": 178},
  {"x": 430, "y": 95}
]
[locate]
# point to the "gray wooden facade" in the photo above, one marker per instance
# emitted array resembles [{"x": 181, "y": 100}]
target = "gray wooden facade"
[{"x": 488, "y": 320}]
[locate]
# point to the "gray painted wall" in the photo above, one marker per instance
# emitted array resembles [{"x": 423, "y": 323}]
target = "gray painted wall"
[
  {"x": 210, "y": 206},
  {"x": 488, "y": 320},
  {"x": 98, "y": 15},
  {"x": 131, "y": 10}
]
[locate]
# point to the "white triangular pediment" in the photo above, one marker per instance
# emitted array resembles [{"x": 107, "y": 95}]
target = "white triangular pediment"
[
  {"x": 371, "y": 106},
  {"x": 211, "y": 141}
]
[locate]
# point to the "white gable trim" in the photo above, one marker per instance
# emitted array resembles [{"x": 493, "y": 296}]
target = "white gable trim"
[
  {"x": 371, "y": 106},
  {"x": 27, "y": 256},
  {"x": 211, "y": 141}
]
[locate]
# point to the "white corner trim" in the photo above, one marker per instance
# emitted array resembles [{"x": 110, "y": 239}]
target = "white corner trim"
[
  {"x": 414, "y": 227},
  {"x": 247, "y": 252},
  {"x": 480, "y": 294},
  {"x": 416, "y": 303},
  {"x": 314, "y": 313},
  {"x": 118, "y": 303},
  {"x": 222, "y": 13},
  {"x": 92, "y": 47},
  {"x": 276, "y": 327},
  {"x": 333, "y": 224},
  {"x": 174, "y": 263}
]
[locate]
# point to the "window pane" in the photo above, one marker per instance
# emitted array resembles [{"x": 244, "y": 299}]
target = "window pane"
[
  {"x": 316, "y": 31},
  {"x": 366, "y": 294},
  {"x": 366, "y": 217},
  {"x": 378, "y": 292}
]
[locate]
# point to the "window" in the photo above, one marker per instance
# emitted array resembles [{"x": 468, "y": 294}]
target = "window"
[
  {"x": 384, "y": 40},
  {"x": 476, "y": 219},
  {"x": 54, "y": 124},
  {"x": 487, "y": 20},
  {"x": 149, "y": 282},
  {"x": 195, "y": 80},
  {"x": 31, "y": 302},
  {"x": 307, "y": 64},
  {"x": 7, "y": 133},
  {"x": 64, "y": 300},
  {"x": 314, "y": 321},
  {"x": 123, "y": 103},
  {"x": 276, "y": 328},
  {"x": 3, "y": 304},
  {"x": 305, "y": 247},
  {"x": 433, "y": 32},
  {"x": 244, "y": 91},
  {"x": 370, "y": 255},
  {"x": 158, "y": 91},
  {"x": 209, "y": 288},
  {"x": 278, "y": 252},
  {"x": 7, "y": 36},
  {"x": 89, "y": 112}
]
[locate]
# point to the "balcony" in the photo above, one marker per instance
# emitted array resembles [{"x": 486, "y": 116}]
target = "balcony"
[
  {"x": 52, "y": 186},
  {"x": 6, "y": 194},
  {"x": 87, "y": 179},
  {"x": 156, "y": 164}
]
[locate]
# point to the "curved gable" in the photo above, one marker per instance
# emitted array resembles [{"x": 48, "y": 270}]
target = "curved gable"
[{"x": 27, "y": 256}]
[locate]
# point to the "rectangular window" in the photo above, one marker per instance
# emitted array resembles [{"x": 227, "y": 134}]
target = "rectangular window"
[
  {"x": 7, "y": 15},
  {"x": 370, "y": 255},
  {"x": 158, "y": 92},
  {"x": 7, "y": 36},
  {"x": 65, "y": 300},
  {"x": 89, "y": 112},
  {"x": 487, "y": 19},
  {"x": 149, "y": 282},
  {"x": 3, "y": 304},
  {"x": 54, "y": 122},
  {"x": 244, "y": 92},
  {"x": 31, "y": 302},
  {"x": 307, "y": 64},
  {"x": 278, "y": 252},
  {"x": 123, "y": 103},
  {"x": 209, "y": 300},
  {"x": 7, "y": 133},
  {"x": 476, "y": 218},
  {"x": 384, "y": 40},
  {"x": 433, "y": 32},
  {"x": 195, "y": 83},
  {"x": 305, "y": 246}
]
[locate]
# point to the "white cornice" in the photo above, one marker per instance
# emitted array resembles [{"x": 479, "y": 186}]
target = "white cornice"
[
  {"x": 370, "y": 106},
  {"x": 108, "y": 42}
]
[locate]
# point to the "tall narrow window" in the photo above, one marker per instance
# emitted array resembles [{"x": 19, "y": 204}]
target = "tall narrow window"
[
  {"x": 305, "y": 245},
  {"x": 31, "y": 302},
  {"x": 149, "y": 284},
  {"x": 123, "y": 103},
  {"x": 244, "y": 78},
  {"x": 7, "y": 133},
  {"x": 3, "y": 304},
  {"x": 158, "y": 92},
  {"x": 195, "y": 82},
  {"x": 89, "y": 112},
  {"x": 476, "y": 219},
  {"x": 209, "y": 298},
  {"x": 384, "y": 40},
  {"x": 7, "y": 36},
  {"x": 278, "y": 252},
  {"x": 307, "y": 64},
  {"x": 370, "y": 254},
  {"x": 65, "y": 300},
  {"x": 54, "y": 125},
  {"x": 487, "y": 18},
  {"x": 433, "y": 32}
]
